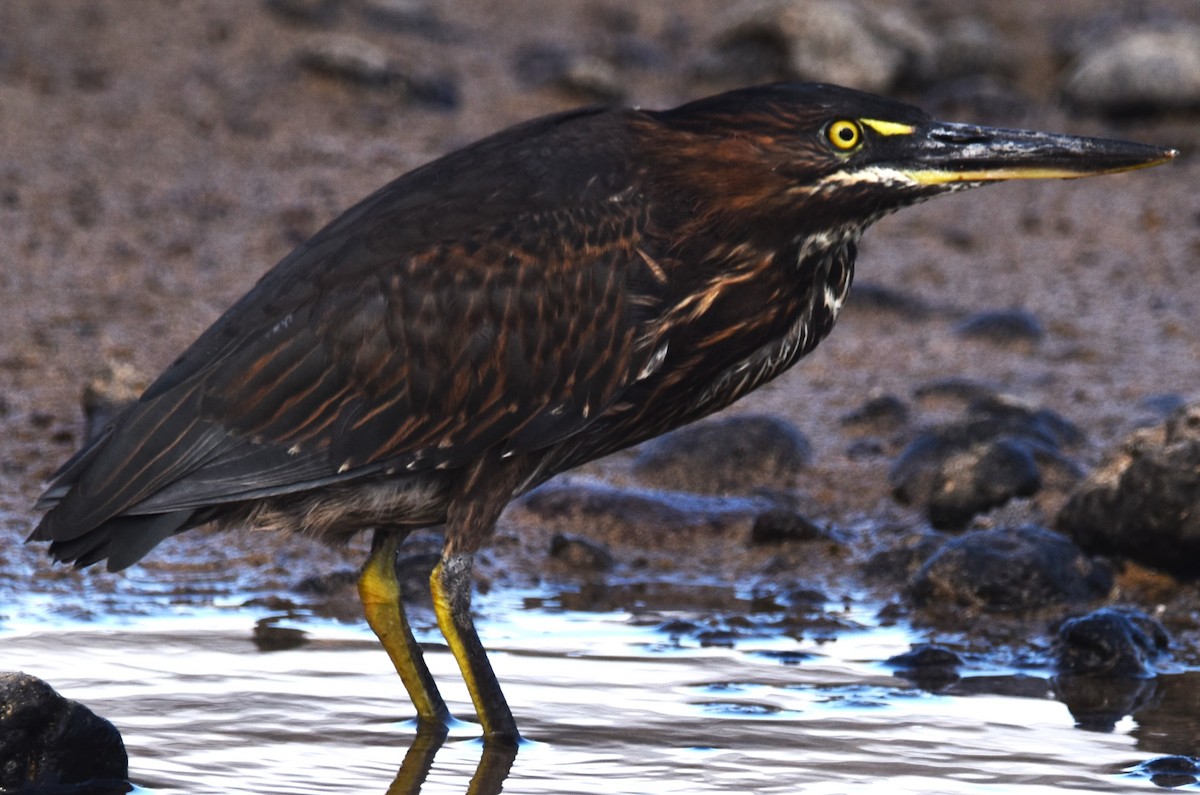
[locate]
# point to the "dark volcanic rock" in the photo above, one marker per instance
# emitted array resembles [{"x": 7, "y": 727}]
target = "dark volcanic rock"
[
  {"x": 927, "y": 666},
  {"x": 1143, "y": 503},
  {"x": 1111, "y": 641},
  {"x": 730, "y": 455},
  {"x": 961, "y": 469},
  {"x": 48, "y": 743},
  {"x": 1010, "y": 568}
]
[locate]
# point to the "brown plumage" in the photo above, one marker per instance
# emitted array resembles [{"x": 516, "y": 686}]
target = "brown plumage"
[{"x": 558, "y": 291}]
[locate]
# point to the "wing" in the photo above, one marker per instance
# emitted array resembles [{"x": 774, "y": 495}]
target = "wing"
[{"x": 493, "y": 300}]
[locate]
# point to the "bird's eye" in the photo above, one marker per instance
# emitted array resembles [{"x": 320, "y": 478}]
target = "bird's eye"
[{"x": 845, "y": 135}]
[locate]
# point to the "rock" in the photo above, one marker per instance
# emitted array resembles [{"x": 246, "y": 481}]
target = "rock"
[
  {"x": 639, "y": 517},
  {"x": 1014, "y": 327},
  {"x": 779, "y": 525},
  {"x": 317, "y": 13},
  {"x": 731, "y": 455},
  {"x": 958, "y": 470},
  {"x": 872, "y": 297},
  {"x": 1143, "y": 502},
  {"x": 1111, "y": 641},
  {"x": 580, "y": 553},
  {"x": 357, "y": 62},
  {"x": 586, "y": 77},
  {"x": 828, "y": 41},
  {"x": 352, "y": 60},
  {"x": 48, "y": 743},
  {"x": 1011, "y": 568},
  {"x": 1168, "y": 772},
  {"x": 880, "y": 413},
  {"x": 417, "y": 17},
  {"x": 268, "y": 636},
  {"x": 927, "y": 666},
  {"x": 1140, "y": 71}
]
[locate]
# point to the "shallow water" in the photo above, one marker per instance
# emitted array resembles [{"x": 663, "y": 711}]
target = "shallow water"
[{"x": 608, "y": 701}]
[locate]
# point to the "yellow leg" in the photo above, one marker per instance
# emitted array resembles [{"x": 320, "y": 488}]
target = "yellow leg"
[
  {"x": 451, "y": 586},
  {"x": 380, "y": 594}
]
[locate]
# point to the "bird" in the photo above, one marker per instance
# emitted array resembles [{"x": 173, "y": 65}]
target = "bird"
[{"x": 556, "y": 292}]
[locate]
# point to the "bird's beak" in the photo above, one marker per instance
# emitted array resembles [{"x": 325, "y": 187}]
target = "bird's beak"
[{"x": 940, "y": 153}]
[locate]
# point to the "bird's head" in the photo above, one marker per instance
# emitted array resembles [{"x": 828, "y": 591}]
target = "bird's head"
[{"x": 827, "y": 155}]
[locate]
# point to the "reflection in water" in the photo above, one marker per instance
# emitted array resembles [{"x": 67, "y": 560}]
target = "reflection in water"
[
  {"x": 609, "y": 703},
  {"x": 495, "y": 763}
]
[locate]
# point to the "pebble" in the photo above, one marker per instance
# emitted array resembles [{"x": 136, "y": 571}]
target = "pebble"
[
  {"x": 1008, "y": 569},
  {"x": 732, "y": 455},
  {"x": 586, "y": 77},
  {"x": 1143, "y": 502},
  {"x": 1140, "y": 71}
]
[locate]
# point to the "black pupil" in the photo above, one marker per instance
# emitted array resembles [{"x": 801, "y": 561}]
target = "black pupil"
[{"x": 846, "y": 134}]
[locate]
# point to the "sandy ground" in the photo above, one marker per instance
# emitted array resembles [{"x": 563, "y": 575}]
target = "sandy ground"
[{"x": 157, "y": 157}]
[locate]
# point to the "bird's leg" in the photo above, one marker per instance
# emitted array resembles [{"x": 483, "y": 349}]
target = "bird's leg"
[
  {"x": 451, "y": 586},
  {"x": 380, "y": 593},
  {"x": 471, "y": 517}
]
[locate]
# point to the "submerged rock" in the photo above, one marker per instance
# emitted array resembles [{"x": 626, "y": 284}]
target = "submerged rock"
[
  {"x": 1010, "y": 568},
  {"x": 1143, "y": 503},
  {"x": 51, "y": 744},
  {"x": 738, "y": 454}
]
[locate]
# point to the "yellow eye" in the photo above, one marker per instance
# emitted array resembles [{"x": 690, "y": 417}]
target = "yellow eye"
[{"x": 844, "y": 134}]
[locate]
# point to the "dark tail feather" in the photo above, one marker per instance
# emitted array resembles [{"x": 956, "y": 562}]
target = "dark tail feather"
[{"x": 124, "y": 540}]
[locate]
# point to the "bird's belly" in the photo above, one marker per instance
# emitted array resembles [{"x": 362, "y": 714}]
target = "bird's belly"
[{"x": 334, "y": 513}]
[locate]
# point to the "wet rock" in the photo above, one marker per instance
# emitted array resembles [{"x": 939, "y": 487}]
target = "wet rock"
[
  {"x": 580, "y": 553},
  {"x": 1143, "y": 502},
  {"x": 1014, "y": 327},
  {"x": 587, "y": 77},
  {"x": 639, "y": 517},
  {"x": 995, "y": 454},
  {"x": 1111, "y": 641},
  {"x": 780, "y": 525},
  {"x": 1140, "y": 71},
  {"x": 51, "y": 744},
  {"x": 1171, "y": 771},
  {"x": 270, "y": 636},
  {"x": 928, "y": 666},
  {"x": 830, "y": 41},
  {"x": 730, "y": 455},
  {"x": 1011, "y": 568},
  {"x": 900, "y": 558},
  {"x": 880, "y": 413}
]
